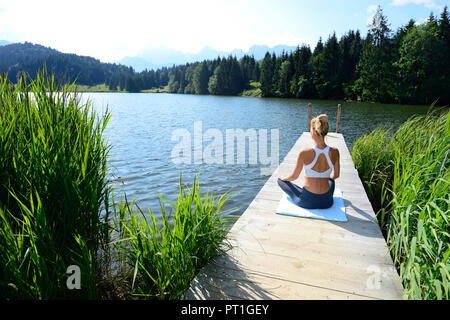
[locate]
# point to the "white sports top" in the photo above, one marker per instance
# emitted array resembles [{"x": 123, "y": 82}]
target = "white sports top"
[{"x": 310, "y": 173}]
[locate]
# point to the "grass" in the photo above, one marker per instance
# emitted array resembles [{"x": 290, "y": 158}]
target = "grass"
[
  {"x": 97, "y": 88},
  {"x": 104, "y": 88},
  {"x": 164, "y": 89},
  {"x": 52, "y": 188},
  {"x": 56, "y": 208},
  {"x": 162, "y": 256},
  {"x": 407, "y": 177},
  {"x": 255, "y": 90}
]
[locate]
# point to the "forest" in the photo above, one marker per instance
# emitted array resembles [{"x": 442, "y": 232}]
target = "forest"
[
  {"x": 18, "y": 57},
  {"x": 408, "y": 66}
]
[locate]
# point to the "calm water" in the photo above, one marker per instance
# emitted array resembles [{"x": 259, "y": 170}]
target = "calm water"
[{"x": 142, "y": 124}]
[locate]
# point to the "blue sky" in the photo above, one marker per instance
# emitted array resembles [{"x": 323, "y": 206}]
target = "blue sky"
[{"x": 110, "y": 30}]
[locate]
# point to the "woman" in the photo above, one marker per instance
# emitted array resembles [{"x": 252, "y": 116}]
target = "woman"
[{"x": 321, "y": 165}]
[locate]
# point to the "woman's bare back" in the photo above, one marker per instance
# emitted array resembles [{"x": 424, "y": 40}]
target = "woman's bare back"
[{"x": 320, "y": 185}]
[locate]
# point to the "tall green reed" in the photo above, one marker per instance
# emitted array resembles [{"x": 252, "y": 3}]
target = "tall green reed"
[
  {"x": 52, "y": 189},
  {"x": 56, "y": 208},
  {"x": 414, "y": 198},
  {"x": 372, "y": 155},
  {"x": 164, "y": 255}
]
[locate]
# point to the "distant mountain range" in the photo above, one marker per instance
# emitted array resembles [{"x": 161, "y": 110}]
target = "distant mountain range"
[
  {"x": 4, "y": 42},
  {"x": 18, "y": 55},
  {"x": 154, "y": 57}
]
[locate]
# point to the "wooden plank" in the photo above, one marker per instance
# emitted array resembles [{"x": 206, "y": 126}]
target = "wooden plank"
[
  {"x": 315, "y": 259},
  {"x": 342, "y": 278},
  {"x": 244, "y": 284}
]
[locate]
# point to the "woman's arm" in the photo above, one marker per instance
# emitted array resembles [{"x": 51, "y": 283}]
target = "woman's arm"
[
  {"x": 336, "y": 166},
  {"x": 298, "y": 168}
]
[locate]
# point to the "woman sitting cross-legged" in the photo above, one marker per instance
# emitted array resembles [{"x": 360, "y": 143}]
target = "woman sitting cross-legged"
[{"x": 321, "y": 164}]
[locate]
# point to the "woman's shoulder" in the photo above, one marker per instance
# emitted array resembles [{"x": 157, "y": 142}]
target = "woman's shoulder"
[
  {"x": 311, "y": 150},
  {"x": 334, "y": 150},
  {"x": 334, "y": 154},
  {"x": 306, "y": 150},
  {"x": 306, "y": 154}
]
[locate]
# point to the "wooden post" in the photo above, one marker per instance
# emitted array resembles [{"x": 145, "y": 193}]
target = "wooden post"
[
  {"x": 338, "y": 118},
  {"x": 309, "y": 117}
]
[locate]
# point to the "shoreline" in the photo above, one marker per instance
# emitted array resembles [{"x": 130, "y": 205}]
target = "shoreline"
[{"x": 154, "y": 90}]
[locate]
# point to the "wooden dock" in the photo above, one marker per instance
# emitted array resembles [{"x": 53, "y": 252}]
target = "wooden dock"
[{"x": 282, "y": 257}]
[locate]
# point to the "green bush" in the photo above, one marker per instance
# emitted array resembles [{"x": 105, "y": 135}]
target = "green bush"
[{"x": 407, "y": 175}]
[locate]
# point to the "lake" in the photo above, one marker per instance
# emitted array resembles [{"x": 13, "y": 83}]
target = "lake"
[{"x": 143, "y": 134}]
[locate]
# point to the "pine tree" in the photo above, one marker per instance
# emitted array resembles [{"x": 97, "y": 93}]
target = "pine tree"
[
  {"x": 236, "y": 84},
  {"x": 444, "y": 35},
  {"x": 444, "y": 27},
  {"x": 266, "y": 75},
  {"x": 376, "y": 73},
  {"x": 182, "y": 80},
  {"x": 131, "y": 84},
  {"x": 201, "y": 78},
  {"x": 284, "y": 79},
  {"x": 326, "y": 69},
  {"x": 301, "y": 83},
  {"x": 276, "y": 63}
]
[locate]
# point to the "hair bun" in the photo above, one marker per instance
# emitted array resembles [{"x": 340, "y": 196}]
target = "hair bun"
[
  {"x": 320, "y": 125},
  {"x": 323, "y": 117}
]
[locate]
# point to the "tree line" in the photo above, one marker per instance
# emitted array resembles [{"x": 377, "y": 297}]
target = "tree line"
[
  {"x": 410, "y": 65},
  {"x": 18, "y": 57}
]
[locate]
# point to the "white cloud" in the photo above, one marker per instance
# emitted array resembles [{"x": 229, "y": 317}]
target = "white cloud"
[{"x": 431, "y": 4}]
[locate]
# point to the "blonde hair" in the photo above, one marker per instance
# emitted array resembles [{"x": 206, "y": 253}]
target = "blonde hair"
[{"x": 320, "y": 125}]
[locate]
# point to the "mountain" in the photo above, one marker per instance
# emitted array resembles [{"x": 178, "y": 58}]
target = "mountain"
[
  {"x": 259, "y": 51},
  {"x": 138, "y": 64},
  {"x": 4, "y": 43},
  {"x": 18, "y": 53},
  {"x": 154, "y": 57},
  {"x": 17, "y": 57}
]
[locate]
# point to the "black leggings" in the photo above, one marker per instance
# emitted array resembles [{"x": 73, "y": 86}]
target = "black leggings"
[{"x": 305, "y": 199}]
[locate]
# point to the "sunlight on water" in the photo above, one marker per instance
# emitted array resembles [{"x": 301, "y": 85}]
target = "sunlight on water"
[{"x": 141, "y": 127}]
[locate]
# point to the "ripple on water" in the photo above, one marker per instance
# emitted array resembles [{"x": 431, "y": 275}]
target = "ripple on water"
[{"x": 141, "y": 128}]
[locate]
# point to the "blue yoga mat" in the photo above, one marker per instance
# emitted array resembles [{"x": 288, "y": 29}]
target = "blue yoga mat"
[{"x": 335, "y": 213}]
